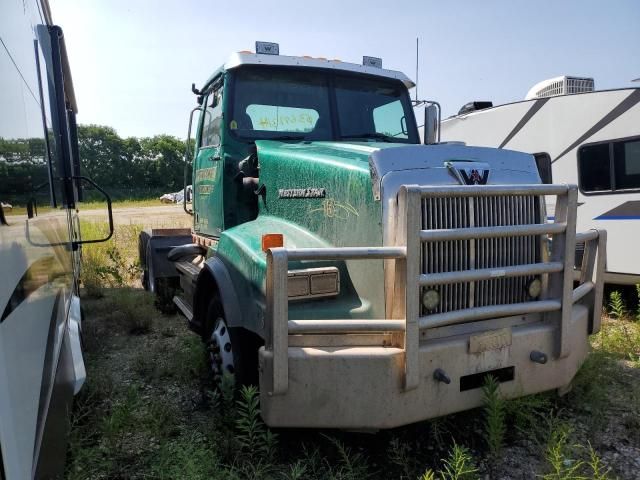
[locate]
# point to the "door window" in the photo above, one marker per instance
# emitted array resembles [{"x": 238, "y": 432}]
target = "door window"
[{"x": 212, "y": 119}]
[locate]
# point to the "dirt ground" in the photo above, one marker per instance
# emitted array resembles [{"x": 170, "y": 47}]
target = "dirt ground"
[
  {"x": 149, "y": 216},
  {"x": 162, "y": 215},
  {"x": 158, "y": 371}
]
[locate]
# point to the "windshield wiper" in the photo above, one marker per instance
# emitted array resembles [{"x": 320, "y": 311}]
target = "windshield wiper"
[{"x": 377, "y": 136}]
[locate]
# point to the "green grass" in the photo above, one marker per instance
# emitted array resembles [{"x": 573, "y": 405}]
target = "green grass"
[
  {"x": 111, "y": 264},
  {"x": 148, "y": 409}
]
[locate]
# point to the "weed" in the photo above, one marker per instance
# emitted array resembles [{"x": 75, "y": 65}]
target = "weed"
[
  {"x": 494, "y": 408},
  {"x": 135, "y": 310},
  {"x": 459, "y": 465},
  {"x": 253, "y": 435},
  {"x": 638, "y": 297},
  {"x": 618, "y": 338},
  {"x": 297, "y": 471},
  {"x": 400, "y": 456},
  {"x": 159, "y": 419},
  {"x": 598, "y": 471},
  {"x": 190, "y": 456},
  {"x": 227, "y": 391},
  {"x": 112, "y": 264},
  {"x": 351, "y": 466},
  {"x": 530, "y": 416},
  {"x": 114, "y": 425},
  {"x": 561, "y": 457},
  {"x": 616, "y": 305},
  {"x": 439, "y": 429}
]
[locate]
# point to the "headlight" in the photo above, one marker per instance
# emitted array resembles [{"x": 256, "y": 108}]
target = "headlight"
[
  {"x": 313, "y": 283},
  {"x": 430, "y": 299},
  {"x": 534, "y": 288}
]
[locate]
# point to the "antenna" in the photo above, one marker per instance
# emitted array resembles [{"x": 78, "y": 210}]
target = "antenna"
[{"x": 417, "y": 56}]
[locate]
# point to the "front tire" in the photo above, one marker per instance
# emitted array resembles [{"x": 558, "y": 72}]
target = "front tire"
[{"x": 230, "y": 351}]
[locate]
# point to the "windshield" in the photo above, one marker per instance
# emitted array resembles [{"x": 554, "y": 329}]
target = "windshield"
[{"x": 271, "y": 103}]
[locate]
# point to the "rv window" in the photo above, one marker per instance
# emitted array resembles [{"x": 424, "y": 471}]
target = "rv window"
[
  {"x": 594, "y": 168},
  {"x": 610, "y": 166},
  {"x": 626, "y": 159},
  {"x": 543, "y": 162}
]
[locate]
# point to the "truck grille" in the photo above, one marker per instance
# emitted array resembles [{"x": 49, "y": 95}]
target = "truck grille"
[{"x": 450, "y": 256}]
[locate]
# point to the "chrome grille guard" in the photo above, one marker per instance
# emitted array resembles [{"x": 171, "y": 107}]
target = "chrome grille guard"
[{"x": 557, "y": 301}]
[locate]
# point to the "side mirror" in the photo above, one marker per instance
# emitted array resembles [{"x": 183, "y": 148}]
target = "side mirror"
[
  {"x": 187, "y": 158},
  {"x": 76, "y": 242},
  {"x": 431, "y": 123}
]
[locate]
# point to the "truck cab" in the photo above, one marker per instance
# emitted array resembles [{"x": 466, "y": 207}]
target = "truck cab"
[{"x": 348, "y": 270}]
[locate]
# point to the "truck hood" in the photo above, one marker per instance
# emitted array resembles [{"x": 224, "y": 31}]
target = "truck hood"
[
  {"x": 355, "y": 153},
  {"x": 381, "y": 158}
]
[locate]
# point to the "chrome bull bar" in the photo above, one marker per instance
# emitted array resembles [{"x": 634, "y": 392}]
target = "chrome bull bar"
[{"x": 557, "y": 301}]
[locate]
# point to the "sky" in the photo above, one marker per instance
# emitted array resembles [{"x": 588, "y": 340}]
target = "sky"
[{"x": 133, "y": 61}]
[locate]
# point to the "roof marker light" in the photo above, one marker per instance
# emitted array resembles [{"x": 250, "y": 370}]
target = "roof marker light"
[
  {"x": 267, "y": 48},
  {"x": 372, "y": 62}
]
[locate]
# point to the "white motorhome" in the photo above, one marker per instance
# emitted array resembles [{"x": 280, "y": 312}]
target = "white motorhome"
[
  {"x": 41, "y": 365},
  {"x": 578, "y": 135}
]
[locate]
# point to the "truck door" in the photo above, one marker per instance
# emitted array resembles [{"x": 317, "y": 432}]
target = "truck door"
[{"x": 208, "y": 167}]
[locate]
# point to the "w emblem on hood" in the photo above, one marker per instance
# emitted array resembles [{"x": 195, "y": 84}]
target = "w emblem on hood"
[
  {"x": 474, "y": 177},
  {"x": 469, "y": 173}
]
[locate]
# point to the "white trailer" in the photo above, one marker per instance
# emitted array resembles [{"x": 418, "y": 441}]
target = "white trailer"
[
  {"x": 577, "y": 135},
  {"x": 41, "y": 365}
]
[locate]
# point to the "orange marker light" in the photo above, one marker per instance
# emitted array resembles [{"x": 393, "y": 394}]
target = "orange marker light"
[{"x": 272, "y": 240}]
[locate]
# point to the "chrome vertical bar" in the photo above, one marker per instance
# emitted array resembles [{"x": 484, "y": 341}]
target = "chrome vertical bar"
[
  {"x": 565, "y": 251},
  {"x": 410, "y": 197},
  {"x": 277, "y": 313},
  {"x": 598, "y": 280}
]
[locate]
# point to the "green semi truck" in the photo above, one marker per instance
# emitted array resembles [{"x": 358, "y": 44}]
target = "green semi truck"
[{"x": 362, "y": 279}]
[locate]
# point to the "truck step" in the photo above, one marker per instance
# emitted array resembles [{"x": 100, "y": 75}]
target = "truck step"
[
  {"x": 184, "y": 307},
  {"x": 189, "y": 269}
]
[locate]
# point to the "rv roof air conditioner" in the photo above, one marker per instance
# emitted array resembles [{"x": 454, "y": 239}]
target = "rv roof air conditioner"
[
  {"x": 474, "y": 106},
  {"x": 564, "y": 85}
]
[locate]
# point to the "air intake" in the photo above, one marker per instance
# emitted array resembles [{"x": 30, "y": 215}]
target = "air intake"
[{"x": 564, "y": 85}]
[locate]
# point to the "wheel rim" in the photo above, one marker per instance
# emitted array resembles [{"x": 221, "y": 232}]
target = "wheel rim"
[{"x": 220, "y": 351}]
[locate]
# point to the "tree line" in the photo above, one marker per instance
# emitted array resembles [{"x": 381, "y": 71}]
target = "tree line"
[{"x": 125, "y": 167}]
